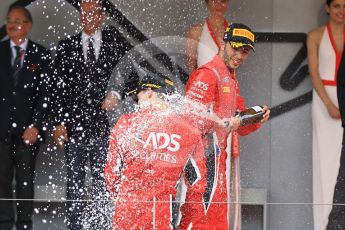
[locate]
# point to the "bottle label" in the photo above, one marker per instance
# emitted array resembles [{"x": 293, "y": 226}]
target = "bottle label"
[{"x": 257, "y": 108}]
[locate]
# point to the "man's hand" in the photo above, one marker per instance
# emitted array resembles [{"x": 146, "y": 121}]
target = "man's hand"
[
  {"x": 266, "y": 115},
  {"x": 60, "y": 135},
  {"x": 110, "y": 102},
  {"x": 30, "y": 135},
  {"x": 231, "y": 124}
]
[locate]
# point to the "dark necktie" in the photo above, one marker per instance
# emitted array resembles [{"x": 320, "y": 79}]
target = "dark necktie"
[
  {"x": 17, "y": 64},
  {"x": 91, "y": 57}
]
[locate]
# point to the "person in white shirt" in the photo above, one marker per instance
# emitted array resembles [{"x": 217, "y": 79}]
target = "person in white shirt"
[
  {"x": 83, "y": 65},
  {"x": 24, "y": 91}
]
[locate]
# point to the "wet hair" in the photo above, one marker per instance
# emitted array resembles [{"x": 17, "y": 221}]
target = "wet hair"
[
  {"x": 328, "y": 2},
  {"x": 100, "y": 5},
  {"x": 25, "y": 11},
  {"x": 95, "y": 1}
]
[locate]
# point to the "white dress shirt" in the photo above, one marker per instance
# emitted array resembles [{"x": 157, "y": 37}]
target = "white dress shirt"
[
  {"x": 97, "y": 42},
  {"x": 22, "y": 46}
]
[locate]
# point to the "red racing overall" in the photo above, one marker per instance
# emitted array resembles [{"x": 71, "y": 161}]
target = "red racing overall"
[
  {"x": 148, "y": 153},
  {"x": 215, "y": 86}
]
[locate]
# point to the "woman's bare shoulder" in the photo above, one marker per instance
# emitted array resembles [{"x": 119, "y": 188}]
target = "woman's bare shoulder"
[
  {"x": 316, "y": 34},
  {"x": 195, "y": 30}
]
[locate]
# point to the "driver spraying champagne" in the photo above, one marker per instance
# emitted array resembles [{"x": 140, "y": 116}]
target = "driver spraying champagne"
[
  {"x": 215, "y": 85},
  {"x": 149, "y": 152}
]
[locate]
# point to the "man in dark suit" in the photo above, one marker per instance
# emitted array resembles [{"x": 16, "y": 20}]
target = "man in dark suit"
[
  {"x": 24, "y": 73},
  {"x": 336, "y": 219},
  {"x": 83, "y": 66}
]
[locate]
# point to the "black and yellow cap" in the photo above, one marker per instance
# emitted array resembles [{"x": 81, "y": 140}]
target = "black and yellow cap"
[
  {"x": 156, "y": 82},
  {"x": 238, "y": 35}
]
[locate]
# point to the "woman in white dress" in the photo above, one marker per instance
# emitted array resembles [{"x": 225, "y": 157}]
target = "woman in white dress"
[
  {"x": 325, "y": 47},
  {"x": 204, "y": 38}
]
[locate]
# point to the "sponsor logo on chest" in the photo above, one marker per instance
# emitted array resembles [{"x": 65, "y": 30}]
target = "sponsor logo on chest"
[{"x": 201, "y": 85}]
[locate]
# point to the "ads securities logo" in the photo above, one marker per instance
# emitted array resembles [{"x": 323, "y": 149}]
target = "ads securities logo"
[
  {"x": 201, "y": 85},
  {"x": 162, "y": 141}
]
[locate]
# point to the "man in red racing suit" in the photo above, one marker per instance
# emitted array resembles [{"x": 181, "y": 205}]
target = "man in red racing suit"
[
  {"x": 148, "y": 154},
  {"x": 215, "y": 85}
]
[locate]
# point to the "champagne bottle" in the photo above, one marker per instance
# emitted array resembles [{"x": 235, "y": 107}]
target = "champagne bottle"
[{"x": 251, "y": 115}]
